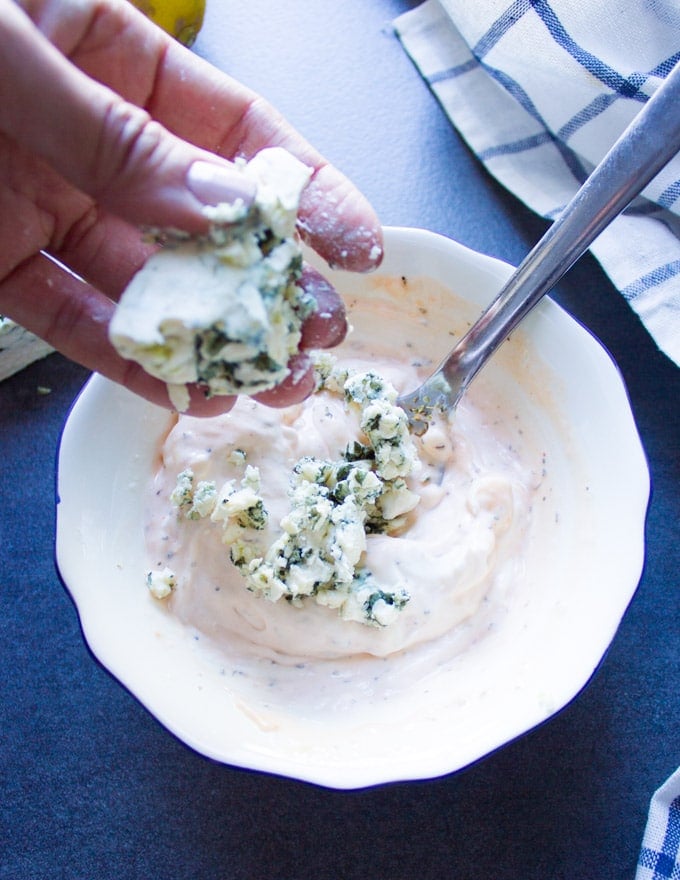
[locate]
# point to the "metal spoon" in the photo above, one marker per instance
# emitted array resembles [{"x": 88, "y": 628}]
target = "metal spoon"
[{"x": 649, "y": 142}]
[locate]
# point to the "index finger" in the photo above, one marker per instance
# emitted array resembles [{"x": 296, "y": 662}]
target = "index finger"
[{"x": 116, "y": 45}]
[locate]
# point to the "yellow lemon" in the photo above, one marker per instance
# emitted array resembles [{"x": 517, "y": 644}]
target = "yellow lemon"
[{"x": 181, "y": 19}]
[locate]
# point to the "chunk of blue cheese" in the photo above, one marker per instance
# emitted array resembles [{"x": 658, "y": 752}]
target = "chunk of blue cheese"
[
  {"x": 161, "y": 583},
  {"x": 334, "y": 505},
  {"x": 223, "y": 310}
]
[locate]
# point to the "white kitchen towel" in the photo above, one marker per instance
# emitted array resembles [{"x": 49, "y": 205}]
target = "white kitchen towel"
[
  {"x": 660, "y": 852},
  {"x": 540, "y": 90}
]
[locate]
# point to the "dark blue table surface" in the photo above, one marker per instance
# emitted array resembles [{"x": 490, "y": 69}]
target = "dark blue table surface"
[{"x": 91, "y": 786}]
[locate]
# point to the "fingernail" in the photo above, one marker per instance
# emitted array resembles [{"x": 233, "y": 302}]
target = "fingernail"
[{"x": 213, "y": 184}]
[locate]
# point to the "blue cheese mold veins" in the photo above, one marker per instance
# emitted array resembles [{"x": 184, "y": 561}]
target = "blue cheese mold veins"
[
  {"x": 237, "y": 331},
  {"x": 334, "y": 504}
]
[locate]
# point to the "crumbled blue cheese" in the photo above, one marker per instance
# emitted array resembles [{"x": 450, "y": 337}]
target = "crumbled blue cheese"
[
  {"x": 161, "y": 583},
  {"x": 224, "y": 309},
  {"x": 195, "y": 501},
  {"x": 322, "y": 541},
  {"x": 236, "y": 507},
  {"x": 334, "y": 505},
  {"x": 237, "y": 456},
  {"x": 384, "y": 423},
  {"x": 240, "y": 507}
]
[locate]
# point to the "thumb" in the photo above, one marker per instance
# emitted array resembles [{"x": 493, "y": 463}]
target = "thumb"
[{"x": 108, "y": 148}]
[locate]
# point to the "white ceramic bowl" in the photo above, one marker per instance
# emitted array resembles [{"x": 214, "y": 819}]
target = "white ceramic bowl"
[{"x": 538, "y": 658}]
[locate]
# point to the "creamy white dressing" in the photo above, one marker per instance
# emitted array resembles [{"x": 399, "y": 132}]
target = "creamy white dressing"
[{"x": 460, "y": 556}]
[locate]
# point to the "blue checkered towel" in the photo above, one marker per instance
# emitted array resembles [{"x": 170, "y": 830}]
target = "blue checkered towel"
[
  {"x": 660, "y": 853},
  {"x": 540, "y": 89}
]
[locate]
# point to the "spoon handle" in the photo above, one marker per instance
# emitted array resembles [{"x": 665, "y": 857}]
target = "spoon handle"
[{"x": 649, "y": 142}]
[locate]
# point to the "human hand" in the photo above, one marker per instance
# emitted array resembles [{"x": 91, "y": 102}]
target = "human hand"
[{"x": 106, "y": 125}]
